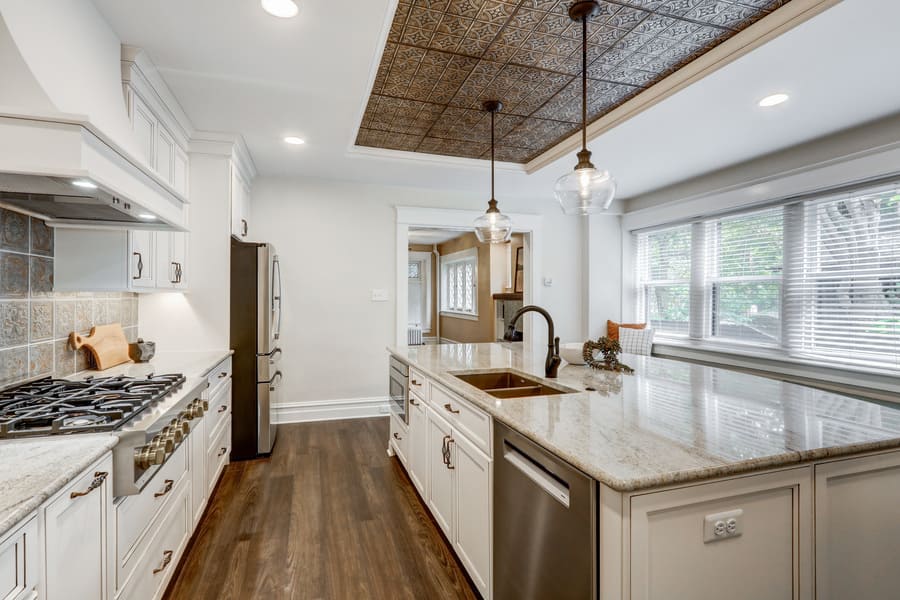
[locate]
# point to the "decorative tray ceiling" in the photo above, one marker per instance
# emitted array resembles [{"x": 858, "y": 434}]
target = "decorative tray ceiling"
[{"x": 444, "y": 57}]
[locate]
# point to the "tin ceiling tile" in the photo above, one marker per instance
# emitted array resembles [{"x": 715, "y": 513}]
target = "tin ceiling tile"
[{"x": 443, "y": 58}]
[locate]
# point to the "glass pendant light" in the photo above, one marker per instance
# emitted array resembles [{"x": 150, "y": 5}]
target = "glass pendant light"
[
  {"x": 587, "y": 190},
  {"x": 493, "y": 226}
]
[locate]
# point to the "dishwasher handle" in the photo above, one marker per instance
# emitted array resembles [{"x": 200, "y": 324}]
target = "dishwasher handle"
[{"x": 529, "y": 467}]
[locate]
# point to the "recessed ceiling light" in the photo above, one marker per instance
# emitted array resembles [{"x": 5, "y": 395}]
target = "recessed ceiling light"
[
  {"x": 294, "y": 141},
  {"x": 147, "y": 217},
  {"x": 284, "y": 9},
  {"x": 84, "y": 183},
  {"x": 773, "y": 100}
]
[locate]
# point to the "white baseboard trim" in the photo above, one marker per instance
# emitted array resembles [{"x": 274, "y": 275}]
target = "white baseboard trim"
[
  {"x": 449, "y": 341},
  {"x": 332, "y": 410}
]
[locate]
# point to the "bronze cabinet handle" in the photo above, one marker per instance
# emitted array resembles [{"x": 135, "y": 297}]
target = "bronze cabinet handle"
[
  {"x": 140, "y": 265},
  {"x": 413, "y": 402},
  {"x": 166, "y": 489},
  {"x": 99, "y": 478},
  {"x": 448, "y": 453},
  {"x": 223, "y": 408},
  {"x": 223, "y": 374},
  {"x": 414, "y": 382},
  {"x": 174, "y": 273},
  {"x": 244, "y": 227},
  {"x": 450, "y": 409},
  {"x": 222, "y": 451},
  {"x": 167, "y": 558},
  {"x": 397, "y": 436}
]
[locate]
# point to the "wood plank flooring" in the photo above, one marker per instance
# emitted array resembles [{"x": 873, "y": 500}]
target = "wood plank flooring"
[{"x": 327, "y": 516}]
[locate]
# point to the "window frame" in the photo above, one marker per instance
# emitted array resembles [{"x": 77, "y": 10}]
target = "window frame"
[{"x": 455, "y": 264}]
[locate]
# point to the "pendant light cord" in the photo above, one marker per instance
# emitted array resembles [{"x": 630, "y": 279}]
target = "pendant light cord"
[
  {"x": 584, "y": 28},
  {"x": 492, "y": 154}
]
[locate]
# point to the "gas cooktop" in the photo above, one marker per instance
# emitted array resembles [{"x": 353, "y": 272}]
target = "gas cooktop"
[{"x": 51, "y": 406}]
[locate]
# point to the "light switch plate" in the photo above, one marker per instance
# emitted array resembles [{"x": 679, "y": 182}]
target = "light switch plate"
[
  {"x": 723, "y": 525},
  {"x": 379, "y": 295}
]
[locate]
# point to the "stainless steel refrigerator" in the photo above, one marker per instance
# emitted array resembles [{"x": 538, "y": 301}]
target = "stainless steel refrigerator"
[{"x": 256, "y": 299}]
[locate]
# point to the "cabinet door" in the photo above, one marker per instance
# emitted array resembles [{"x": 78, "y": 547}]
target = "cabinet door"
[
  {"x": 441, "y": 476},
  {"x": 674, "y": 554},
  {"x": 143, "y": 124},
  {"x": 180, "y": 174},
  {"x": 239, "y": 224},
  {"x": 197, "y": 459},
  {"x": 162, "y": 253},
  {"x": 165, "y": 155},
  {"x": 178, "y": 259},
  {"x": 75, "y": 544},
  {"x": 418, "y": 446},
  {"x": 858, "y": 528},
  {"x": 143, "y": 258},
  {"x": 472, "y": 541}
]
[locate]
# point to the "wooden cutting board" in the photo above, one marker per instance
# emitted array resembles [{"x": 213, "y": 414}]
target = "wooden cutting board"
[{"x": 106, "y": 343}]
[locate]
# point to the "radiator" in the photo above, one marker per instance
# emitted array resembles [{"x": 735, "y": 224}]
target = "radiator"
[{"x": 414, "y": 335}]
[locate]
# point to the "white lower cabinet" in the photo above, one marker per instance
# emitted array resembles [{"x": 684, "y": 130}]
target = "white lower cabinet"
[
  {"x": 417, "y": 449},
  {"x": 441, "y": 478},
  {"x": 20, "y": 570},
  {"x": 672, "y": 555},
  {"x": 473, "y": 499},
  {"x": 858, "y": 528},
  {"x": 75, "y": 536},
  {"x": 399, "y": 439},
  {"x": 458, "y": 490}
]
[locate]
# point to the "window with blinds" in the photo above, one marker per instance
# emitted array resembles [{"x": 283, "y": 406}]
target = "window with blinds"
[
  {"x": 843, "y": 302},
  {"x": 459, "y": 277},
  {"x": 817, "y": 279},
  {"x": 664, "y": 279},
  {"x": 744, "y": 257}
]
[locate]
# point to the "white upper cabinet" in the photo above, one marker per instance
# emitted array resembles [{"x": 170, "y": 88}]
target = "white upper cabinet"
[
  {"x": 143, "y": 263},
  {"x": 240, "y": 204},
  {"x": 161, "y": 129}
]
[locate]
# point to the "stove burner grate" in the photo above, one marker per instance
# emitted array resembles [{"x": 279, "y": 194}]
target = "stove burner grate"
[{"x": 57, "y": 406}]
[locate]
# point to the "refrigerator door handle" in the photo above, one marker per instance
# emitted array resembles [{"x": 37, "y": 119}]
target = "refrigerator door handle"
[{"x": 276, "y": 297}]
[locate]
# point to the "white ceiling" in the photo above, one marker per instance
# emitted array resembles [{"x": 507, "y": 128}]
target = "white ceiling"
[
  {"x": 434, "y": 236},
  {"x": 235, "y": 68}
]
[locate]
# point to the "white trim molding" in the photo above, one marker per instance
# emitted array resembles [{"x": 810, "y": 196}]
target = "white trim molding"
[{"x": 332, "y": 410}]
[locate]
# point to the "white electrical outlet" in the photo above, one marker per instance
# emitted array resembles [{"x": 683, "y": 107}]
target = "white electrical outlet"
[
  {"x": 379, "y": 295},
  {"x": 723, "y": 525},
  {"x": 383, "y": 410}
]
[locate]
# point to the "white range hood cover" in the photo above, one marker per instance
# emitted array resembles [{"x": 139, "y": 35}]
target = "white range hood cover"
[{"x": 63, "y": 114}]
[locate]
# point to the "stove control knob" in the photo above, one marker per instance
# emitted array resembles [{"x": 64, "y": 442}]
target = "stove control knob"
[
  {"x": 197, "y": 409},
  {"x": 162, "y": 441},
  {"x": 173, "y": 432},
  {"x": 149, "y": 456},
  {"x": 205, "y": 404}
]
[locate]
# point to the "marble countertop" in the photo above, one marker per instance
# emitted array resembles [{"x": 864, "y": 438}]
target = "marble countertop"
[
  {"x": 670, "y": 422},
  {"x": 36, "y": 468},
  {"x": 33, "y": 469}
]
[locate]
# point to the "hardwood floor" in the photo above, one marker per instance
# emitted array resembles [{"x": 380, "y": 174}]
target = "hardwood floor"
[{"x": 328, "y": 516}]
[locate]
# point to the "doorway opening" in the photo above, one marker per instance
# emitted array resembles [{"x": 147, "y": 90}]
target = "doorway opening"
[{"x": 460, "y": 290}]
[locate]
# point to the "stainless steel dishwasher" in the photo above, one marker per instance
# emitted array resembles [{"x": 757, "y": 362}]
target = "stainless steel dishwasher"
[{"x": 545, "y": 523}]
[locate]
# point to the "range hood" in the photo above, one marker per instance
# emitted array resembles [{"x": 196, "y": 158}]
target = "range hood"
[{"x": 67, "y": 151}]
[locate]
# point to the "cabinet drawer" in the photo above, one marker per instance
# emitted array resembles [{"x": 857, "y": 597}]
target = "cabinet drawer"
[
  {"x": 465, "y": 418},
  {"x": 419, "y": 385},
  {"x": 217, "y": 455},
  {"x": 159, "y": 553},
  {"x": 19, "y": 562},
  {"x": 399, "y": 441},
  {"x": 136, "y": 514},
  {"x": 219, "y": 410},
  {"x": 218, "y": 377}
]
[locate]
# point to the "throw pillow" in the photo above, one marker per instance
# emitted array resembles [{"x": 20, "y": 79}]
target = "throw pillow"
[
  {"x": 636, "y": 341},
  {"x": 612, "y": 328}
]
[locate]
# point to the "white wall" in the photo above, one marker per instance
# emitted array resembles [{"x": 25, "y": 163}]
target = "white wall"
[
  {"x": 337, "y": 243},
  {"x": 198, "y": 319}
]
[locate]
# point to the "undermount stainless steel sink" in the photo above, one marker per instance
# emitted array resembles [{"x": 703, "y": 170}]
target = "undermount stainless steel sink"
[{"x": 508, "y": 384}]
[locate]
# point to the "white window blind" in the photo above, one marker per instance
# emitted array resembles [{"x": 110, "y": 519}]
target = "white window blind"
[
  {"x": 664, "y": 279},
  {"x": 843, "y": 303},
  {"x": 744, "y": 257},
  {"x": 817, "y": 279}
]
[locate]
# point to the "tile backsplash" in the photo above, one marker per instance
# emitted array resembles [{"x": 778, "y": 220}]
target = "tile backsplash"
[{"x": 35, "y": 321}]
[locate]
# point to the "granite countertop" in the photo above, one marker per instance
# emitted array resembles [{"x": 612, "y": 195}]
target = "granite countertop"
[
  {"x": 33, "y": 469},
  {"x": 669, "y": 422},
  {"x": 36, "y": 468}
]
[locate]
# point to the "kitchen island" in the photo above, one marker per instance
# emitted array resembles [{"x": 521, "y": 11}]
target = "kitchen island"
[{"x": 671, "y": 446}]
